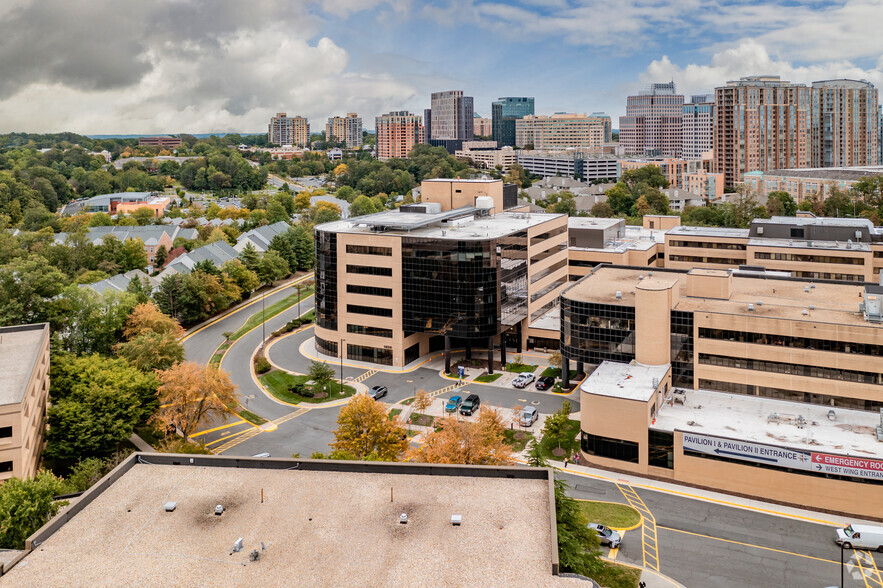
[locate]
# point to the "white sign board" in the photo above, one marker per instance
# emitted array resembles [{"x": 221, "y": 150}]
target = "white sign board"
[{"x": 782, "y": 457}]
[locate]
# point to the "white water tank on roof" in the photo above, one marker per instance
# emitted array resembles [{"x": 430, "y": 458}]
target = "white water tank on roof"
[{"x": 484, "y": 202}]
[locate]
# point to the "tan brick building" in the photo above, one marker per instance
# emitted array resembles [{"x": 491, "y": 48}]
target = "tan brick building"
[
  {"x": 285, "y": 130},
  {"x": 24, "y": 393},
  {"x": 563, "y": 131},
  {"x": 346, "y": 129}
]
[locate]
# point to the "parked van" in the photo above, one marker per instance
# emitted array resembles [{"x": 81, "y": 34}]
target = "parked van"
[
  {"x": 861, "y": 536},
  {"x": 529, "y": 416}
]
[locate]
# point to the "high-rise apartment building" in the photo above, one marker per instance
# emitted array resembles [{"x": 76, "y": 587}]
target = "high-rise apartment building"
[
  {"x": 289, "y": 131},
  {"x": 563, "y": 131},
  {"x": 880, "y": 134},
  {"x": 346, "y": 129},
  {"x": 450, "y": 119},
  {"x": 761, "y": 123},
  {"x": 504, "y": 113},
  {"x": 698, "y": 125},
  {"x": 653, "y": 121},
  {"x": 481, "y": 127},
  {"x": 845, "y": 124},
  {"x": 397, "y": 132}
]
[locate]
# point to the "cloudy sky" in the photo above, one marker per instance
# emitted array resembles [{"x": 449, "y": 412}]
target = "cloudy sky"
[{"x": 136, "y": 66}]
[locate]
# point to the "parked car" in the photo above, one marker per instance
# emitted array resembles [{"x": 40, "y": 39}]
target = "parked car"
[
  {"x": 607, "y": 535},
  {"x": 471, "y": 405},
  {"x": 453, "y": 404},
  {"x": 545, "y": 382},
  {"x": 529, "y": 416},
  {"x": 377, "y": 392},
  {"x": 861, "y": 537},
  {"x": 523, "y": 380}
]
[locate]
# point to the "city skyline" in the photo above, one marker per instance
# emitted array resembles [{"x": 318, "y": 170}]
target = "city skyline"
[{"x": 188, "y": 67}]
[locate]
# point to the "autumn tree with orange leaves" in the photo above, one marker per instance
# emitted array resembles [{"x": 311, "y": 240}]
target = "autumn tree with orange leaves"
[
  {"x": 151, "y": 339},
  {"x": 479, "y": 442},
  {"x": 189, "y": 392}
]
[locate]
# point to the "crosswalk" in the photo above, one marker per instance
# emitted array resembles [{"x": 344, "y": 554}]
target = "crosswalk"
[
  {"x": 444, "y": 390},
  {"x": 364, "y": 376},
  {"x": 648, "y": 530},
  {"x": 868, "y": 568},
  {"x": 242, "y": 436}
]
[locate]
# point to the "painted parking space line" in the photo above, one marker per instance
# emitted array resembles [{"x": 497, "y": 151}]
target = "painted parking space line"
[
  {"x": 227, "y": 426},
  {"x": 649, "y": 539},
  {"x": 868, "y": 569}
]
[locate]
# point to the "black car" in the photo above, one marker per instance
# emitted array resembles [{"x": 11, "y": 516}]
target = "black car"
[
  {"x": 545, "y": 382},
  {"x": 377, "y": 392},
  {"x": 471, "y": 405}
]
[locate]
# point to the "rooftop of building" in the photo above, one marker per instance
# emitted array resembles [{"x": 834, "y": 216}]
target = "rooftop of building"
[
  {"x": 748, "y": 418},
  {"x": 120, "y": 282},
  {"x": 348, "y": 528},
  {"x": 465, "y": 180},
  {"x": 551, "y": 321},
  {"x": 689, "y": 230},
  {"x": 589, "y": 222},
  {"x": 631, "y": 381},
  {"x": 460, "y": 224},
  {"x": 807, "y": 244},
  {"x": 19, "y": 348},
  {"x": 771, "y": 296},
  {"x": 824, "y": 173}
]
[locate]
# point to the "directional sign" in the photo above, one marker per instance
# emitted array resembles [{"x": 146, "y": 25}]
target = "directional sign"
[
  {"x": 746, "y": 451},
  {"x": 841, "y": 465}
]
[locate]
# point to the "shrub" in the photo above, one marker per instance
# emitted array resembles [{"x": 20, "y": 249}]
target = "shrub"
[
  {"x": 301, "y": 390},
  {"x": 262, "y": 366},
  {"x": 306, "y": 320}
]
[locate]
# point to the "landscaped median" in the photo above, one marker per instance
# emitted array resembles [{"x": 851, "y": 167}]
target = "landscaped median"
[
  {"x": 293, "y": 388},
  {"x": 621, "y": 517}
]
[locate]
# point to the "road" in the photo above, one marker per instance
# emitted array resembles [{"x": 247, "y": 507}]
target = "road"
[{"x": 698, "y": 543}]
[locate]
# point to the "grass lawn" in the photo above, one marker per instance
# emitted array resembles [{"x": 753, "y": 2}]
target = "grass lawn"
[
  {"x": 517, "y": 439},
  {"x": 616, "y": 576},
  {"x": 268, "y": 313},
  {"x": 616, "y": 516},
  {"x": 278, "y": 383},
  {"x": 252, "y": 417},
  {"x": 519, "y": 368},
  {"x": 424, "y": 420},
  {"x": 394, "y": 413},
  {"x": 488, "y": 378},
  {"x": 407, "y": 401},
  {"x": 569, "y": 443},
  {"x": 554, "y": 372}
]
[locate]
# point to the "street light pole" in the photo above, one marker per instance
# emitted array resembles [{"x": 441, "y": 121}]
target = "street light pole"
[
  {"x": 841, "y": 565},
  {"x": 340, "y": 353},
  {"x": 263, "y": 322}
]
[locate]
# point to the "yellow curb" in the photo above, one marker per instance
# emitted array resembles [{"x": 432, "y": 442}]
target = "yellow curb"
[
  {"x": 218, "y": 428},
  {"x": 641, "y": 516}
]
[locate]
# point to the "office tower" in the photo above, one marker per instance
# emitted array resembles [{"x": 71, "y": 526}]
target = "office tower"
[
  {"x": 504, "y": 113},
  {"x": 345, "y": 130},
  {"x": 450, "y": 119},
  {"x": 289, "y": 131},
  {"x": 397, "y": 132},
  {"x": 761, "y": 123},
  {"x": 563, "y": 131},
  {"x": 698, "y": 126},
  {"x": 845, "y": 123},
  {"x": 652, "y": 124},
  {"x": 481, "y": 127}
]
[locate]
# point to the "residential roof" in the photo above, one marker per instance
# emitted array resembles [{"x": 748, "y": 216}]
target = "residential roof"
[
  {"x": 120, "y": 282},
  {"x": 263, "y": 235},
  {"x": 20, "y": 347},
  {"x": 119, "y": 532},
  {"x": 217, "y": 252}
]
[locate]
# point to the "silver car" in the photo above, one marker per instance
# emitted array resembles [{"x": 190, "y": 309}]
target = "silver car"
[
  {"x": 529, "y": 416},
  {"x": 607, "y": 535}
]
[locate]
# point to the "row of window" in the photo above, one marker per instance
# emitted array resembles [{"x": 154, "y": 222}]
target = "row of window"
[
  {"x": 809, "y": 258},
  {"x": 547, "y": 253},
  {"x": 707, "y": 245},
  {"x": 793, "y": 342},
  {"x": 326, "y": 347},
  {"x": 369, "y": 250},
  {"x": 373, "y": 331},
  {"x": 369, "y": 290},
  {"x": 808, "y": 371},
  {"x": 545, "y": 272},
  {"x": 793, "y": 396},
  {"x": 369, "y": 310},
  {"x": 829, "y": 276},
  {"x": 371, "y": 354},
  {"x": 703, "y": 259},
  {"x": 610, "y": 448},
  {"x": 369, "y": 270},
  {"x": 559, "y": 282},
  {"x": 548, "y": 235}
]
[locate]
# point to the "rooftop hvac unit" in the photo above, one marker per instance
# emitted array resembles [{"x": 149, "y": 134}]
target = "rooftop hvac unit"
[{"x": 873, "y": 308}]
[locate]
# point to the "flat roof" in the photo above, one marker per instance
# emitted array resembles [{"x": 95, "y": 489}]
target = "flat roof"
[
  {"x": 313, "y": 523},
  {"x": 708, "y": 231},
  {"x": 588, "y": 222},
  {"x": 809, "y": 244},
  {"x": 782, "y": 298},
  {"x": 461, "y": 226},
  {"x": 631, "y": 381},
  {"x": 747, "y": 418},
  {"x": 465, "y": 180},
  {"x": 551, "y": 321},
  {"x": 815, "y": 220},
  {"x": 19, "y": 348},
  {"x": 828, "y": 173}
]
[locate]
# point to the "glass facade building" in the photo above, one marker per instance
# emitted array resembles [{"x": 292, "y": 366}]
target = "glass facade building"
[{"x": 504, "y": 113}]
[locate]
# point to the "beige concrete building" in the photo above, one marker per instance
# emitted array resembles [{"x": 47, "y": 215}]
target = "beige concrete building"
[
  {"x": 490, "y": 158},
  {"x": 345, "y": 129},
  {"x": 481, "y": 127},
  {"x": 803, "y": 183},
  {"x": 397, "y": 133},
  {"x": 844, "y": 124},
  {"x": 653, "y": 124},
  {"x": 293, "y": 131},
  {"x": 24, "y": 394},
  {"x": 761, "y": 123},
  {"x": 690, "y": 175},
  {"x": 739, "y": 381},
  {"x": 394, "y": 286},
  {"x": 563, "y": 131}
]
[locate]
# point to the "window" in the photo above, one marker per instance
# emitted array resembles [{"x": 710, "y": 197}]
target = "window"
[
  {"x": 807, "y": 371},
  {"x": 369, "y": 250},
  {"x": 369, "y": 270},
  {"x": 370, "y": 354},
  {"x": 326, "y": 347},
  {"x": 5, "y": 466},
  {"x": 369, "y": 290},
  {"x": 661, "y": 449},
  {"x": 610, "y": 448},
  {"x": 369, "y": 310},
  {"x": 372, "y": 331},
  {"x": 5, "y": 432}
]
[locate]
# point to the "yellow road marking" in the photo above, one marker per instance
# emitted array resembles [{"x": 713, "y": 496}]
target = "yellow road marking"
[
  {"x": 635, "y": 526},
  {"x": 649, "y": 540},
  {"x": 751, "y": 545},
  {"x": 239, "y": 439},
  {"x": 615, "y": 551},
  {"x": 871, "y": 575},
  {"x": 226, "y": 437},
  {"x": 365, "y": 376},
  {"x": 218, "y": 428}
]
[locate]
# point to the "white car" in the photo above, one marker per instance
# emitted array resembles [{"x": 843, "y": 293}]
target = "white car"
[
  {"x": 860, "y": 536},
  {"x": 607, "y": 535},
  {"x": 523, "y": 380}
]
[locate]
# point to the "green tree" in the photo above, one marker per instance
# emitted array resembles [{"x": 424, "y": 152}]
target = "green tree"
[
  {"x": 86, "y": 321},
  {"x": 602, "y": 210},
  {"x": 556, "y": 428},
  {"x": 244, "y": 278},
  {"x": 272, "y": 267},
  {"x": 780, "y": 203},
  {"x": 362, "y": 206},
  {"x": 577, "y": 545},
  {"x": 620, "y": 199},
  {"x": 159, "y": 258},
  {"x": 25, "y": 506},
  {"x": 651, "y": 175},
  {"x": 321, "y": 374},
  {"x": 27, "y": 287},
  {"x": 249, "y": 256}
]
